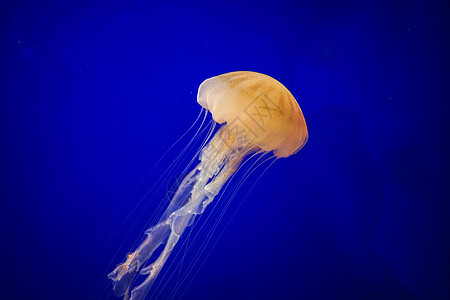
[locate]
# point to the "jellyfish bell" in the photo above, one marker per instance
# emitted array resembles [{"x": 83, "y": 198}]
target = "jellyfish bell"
[
  {"x": 258, "y": 114},
  {"x": 259, "y": 105}
]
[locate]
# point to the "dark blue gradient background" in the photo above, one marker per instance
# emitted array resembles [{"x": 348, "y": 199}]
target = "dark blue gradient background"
[{"x": 92, "y": 93}]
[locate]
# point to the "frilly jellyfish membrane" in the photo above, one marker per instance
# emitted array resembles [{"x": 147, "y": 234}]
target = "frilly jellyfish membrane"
[{"x": 258, "y": 116}]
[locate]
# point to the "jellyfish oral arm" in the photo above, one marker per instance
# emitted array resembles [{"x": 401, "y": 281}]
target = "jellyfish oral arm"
[{"x": 218, "y": 160}]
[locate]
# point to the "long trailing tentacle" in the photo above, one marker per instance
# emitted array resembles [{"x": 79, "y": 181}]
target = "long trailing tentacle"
[{"x": 218, "y": 160}]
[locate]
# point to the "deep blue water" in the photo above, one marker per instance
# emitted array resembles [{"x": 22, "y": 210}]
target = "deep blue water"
[{"x": 93, "y": 94}]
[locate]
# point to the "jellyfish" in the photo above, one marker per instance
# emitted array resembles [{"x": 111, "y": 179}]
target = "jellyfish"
[{"x": 258, "y": 115}]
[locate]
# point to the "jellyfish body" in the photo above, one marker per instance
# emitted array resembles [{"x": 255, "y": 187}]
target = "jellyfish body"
[{"x": 258, "y": 114}]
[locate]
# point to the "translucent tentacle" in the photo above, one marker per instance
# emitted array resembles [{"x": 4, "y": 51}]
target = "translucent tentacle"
[{"x": 219, "y": 159}]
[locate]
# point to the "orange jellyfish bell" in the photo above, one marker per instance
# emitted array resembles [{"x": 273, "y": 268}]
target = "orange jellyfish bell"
[{"x": 259, "y": 105}]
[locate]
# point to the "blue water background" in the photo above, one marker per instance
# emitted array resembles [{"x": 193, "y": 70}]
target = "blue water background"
[{"x": 94, "y": 92}]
